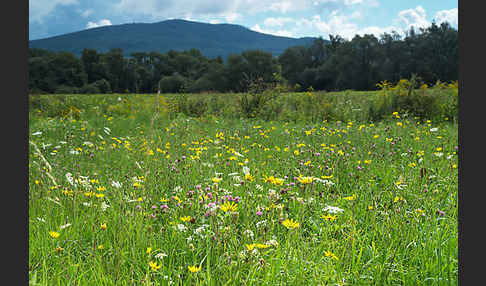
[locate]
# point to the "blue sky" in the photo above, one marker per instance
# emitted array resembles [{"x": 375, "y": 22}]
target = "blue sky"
[{"x": 291, "y": 18}]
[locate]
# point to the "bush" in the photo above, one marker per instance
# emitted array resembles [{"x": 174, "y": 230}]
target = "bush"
[
  {"x": 90, "y": 89},
  {"x": 103, "y": 86},
  {"x": 173, "y": 84}
]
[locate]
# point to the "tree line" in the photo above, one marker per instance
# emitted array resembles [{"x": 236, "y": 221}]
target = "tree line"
[{"x": 338, "y": 64}]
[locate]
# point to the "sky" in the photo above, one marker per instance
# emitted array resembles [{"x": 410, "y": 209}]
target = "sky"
[{"x": 289, "y": 18}]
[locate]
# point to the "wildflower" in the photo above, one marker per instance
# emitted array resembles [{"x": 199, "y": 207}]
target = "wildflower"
[
  {"x": 149, "y": 250},
  {"x": 65, "y": 226},
  {"x": 397, "y": 199},
  {"x": 186, "y": 218},
  {"x": 420, "y": 212},
  {"x": 59, "y": 249},
  {"x": 194, "y": 269},
  {"x": 100, "y": 247},
  {"x": 160, "y": 255},
  {"x": 330, "y": 254},
  {"x": 181, "y": 227},
  {"x": 54, "y": 234},
  {"x": 154, "y": 266},
  {"x": 103, "y": 226},
  {"x": 261, "y": 245},
  {"x": 332, "y": 209},
  {"x": 305, "y": 180},
  {"x": 371, "y": 208},
  {"x": 216, "y": 180},
  {"x": 329, "y": 217},
  {"x": 249, "y": 177},
  {"x": 350, "y": 198},
  {"x": 290, "y": 224},
  {"x": 250, "y": 247},
  {"x": 229, "y": 206}
]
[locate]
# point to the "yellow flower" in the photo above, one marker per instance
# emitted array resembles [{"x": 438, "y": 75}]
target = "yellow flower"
[
  {"x": 154, "y": 266},
  {"x": 376, "y": 136},
  {"x": 103, "y": 226},
  {"x": 305, "y": 180},
  {"x": 249, "y": 177},
  {"x": 350, "y": 198},
  {"x": 186, "y": 218},
  {"x": 261, "y": 245},
  {"x": 54, "y": 234},
  {"x": 194, "y": 269},
  {"x": 227, "y": 206},
  {"x": 330, "y": 254},
  {"x": 216, "y": 180},
  {"x": 149, "y": 250},
  {"x": 371, "y": 208},
  {"x": 250, "y": 247},
  {"x": 59, "y": 249},
  {"x": 397, "y": 199},
  {"x": 100, "y": 195},
  {"x": 290, "y": 224},
  {"x": 329, "y": 217},
  {"x": 100, "y": 247}
]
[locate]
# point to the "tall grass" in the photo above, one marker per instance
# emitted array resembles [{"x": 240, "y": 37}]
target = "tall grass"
[{"x": 126, "y": 182}]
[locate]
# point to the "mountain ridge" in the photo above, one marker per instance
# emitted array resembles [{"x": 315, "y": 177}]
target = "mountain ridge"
[{"x": 211, "y": 40}]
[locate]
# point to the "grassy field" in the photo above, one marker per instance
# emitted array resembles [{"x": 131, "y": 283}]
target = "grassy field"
[{"x": 120, "y": 197}]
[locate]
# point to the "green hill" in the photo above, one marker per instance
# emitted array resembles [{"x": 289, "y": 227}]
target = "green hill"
[{"x": 211, "y": 39}]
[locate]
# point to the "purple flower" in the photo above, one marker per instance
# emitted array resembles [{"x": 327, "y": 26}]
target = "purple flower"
[
  {"x": 154, "y": 207},
  {"x": 259, "y": 213},
  {"x": 138, "y": 207},
  {"x": 441, "y": 213},
  {"x": 210, "y": 195},
  {"x": 164, "y": 207}
]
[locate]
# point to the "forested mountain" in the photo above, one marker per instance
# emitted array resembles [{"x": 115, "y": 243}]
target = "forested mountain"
[{"x": 211, "y": 40}]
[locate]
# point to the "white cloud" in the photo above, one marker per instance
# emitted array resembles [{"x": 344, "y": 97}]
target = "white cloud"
[
  {"x": 39, "y": 9},
  {"x": 282, "y": 33},
  {"x": 412, "y": 18},
  {"x": 450, "y": 16},
  {"x": 104, "y": 22},
  {"x": 276, "y": 22}
]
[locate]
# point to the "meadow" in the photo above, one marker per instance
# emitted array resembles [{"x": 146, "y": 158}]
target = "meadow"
[{"x": 159, "y": 190}]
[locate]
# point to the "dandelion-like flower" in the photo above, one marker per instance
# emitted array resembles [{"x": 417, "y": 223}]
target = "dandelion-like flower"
[
  {"x": 54, "y": 234},
  {"x": 154, "y": 266},
  {"x": 194, "y": 268},
  {"x": 330, "y": 254},
  {"x": 186, "y": 218},
  {"x": 229, "y": 206},
  {"x": 305, "y": 180},
  {"x": 290, "y": 224}
]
